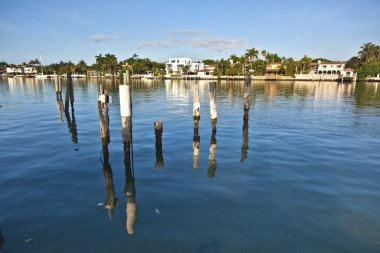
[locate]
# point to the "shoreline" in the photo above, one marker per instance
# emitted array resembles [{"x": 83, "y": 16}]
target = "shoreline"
[{"x": 211, "y": 78}]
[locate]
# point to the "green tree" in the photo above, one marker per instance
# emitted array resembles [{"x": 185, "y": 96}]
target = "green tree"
[
  {"x": 368, "y": 52},
  {"x": 210, "y": 62},
  {"x": 305, "y": 64},
  {"x": 81, "y": 67}
]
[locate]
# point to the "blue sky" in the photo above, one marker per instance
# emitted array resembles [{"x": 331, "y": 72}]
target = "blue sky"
[{"x": 74, "y": 30}]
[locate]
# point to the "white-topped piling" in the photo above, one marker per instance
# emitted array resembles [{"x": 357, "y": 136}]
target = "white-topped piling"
[{"x": 213, "y": 107}]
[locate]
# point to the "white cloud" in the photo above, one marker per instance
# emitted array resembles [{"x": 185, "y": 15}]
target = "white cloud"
[
  {"x": 102, "y": 38},
  {"x": 189, "y": 32},
  {"x": 219, "y": 44},
  {"x": 158, "y": 44}
]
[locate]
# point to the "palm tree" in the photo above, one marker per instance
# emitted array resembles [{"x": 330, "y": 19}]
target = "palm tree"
[
  {"x": 367, "y": 52},
  {"x": 305, "y": 61},
  {"x": 100, "y": 62},
  {"x": 234, "y": 58},
  {"x": 251, "y": 55},
  {"x": 264, "y": 53}
]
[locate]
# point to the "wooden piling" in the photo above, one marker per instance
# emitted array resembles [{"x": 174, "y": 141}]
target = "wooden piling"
[
  {"x": 58, "y": 88},
  {"x": 126, "y": 112},
  {"x": 247, "y": 96},
  {"x": 58, "y": 92},
  {"x": 197, "y": 105},
  {"x": 126, "y": 125},
  {"x": 69, "y": 93},
  {"x": 212, "y": 157},
  {"x": 158, "y": 129},
  {"x": 103, "y": 117},
  {"x": 69, "y": 100},
  {"x": 213, "y": 108}
]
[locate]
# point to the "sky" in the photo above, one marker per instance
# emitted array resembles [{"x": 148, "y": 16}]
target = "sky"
[{"x": 78, "y": 29}]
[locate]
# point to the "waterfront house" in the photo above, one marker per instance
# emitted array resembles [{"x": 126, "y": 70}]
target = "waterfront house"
[
  {"x": 174, "y": 66},
  {"x": 206, "y": 72},
  {"x": 275, "y": 68},
  {"x": 21, "y": 70},
  {"x": 328, "y": 68}
]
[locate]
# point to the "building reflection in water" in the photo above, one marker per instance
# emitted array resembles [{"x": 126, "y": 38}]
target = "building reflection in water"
[
  {"x": 111, "y": 200},
  {"x": 247, "y": 100},
  {"x": 69, "y": 100},
  {"x": 212, "y": 157}
]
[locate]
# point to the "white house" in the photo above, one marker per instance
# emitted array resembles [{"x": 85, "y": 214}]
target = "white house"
[
  {"x": 175, "y": 66},
  {"x": 21, "y": 70},
  {"x": 207, "y": 72},
  {"x": 329, "y": 68}
]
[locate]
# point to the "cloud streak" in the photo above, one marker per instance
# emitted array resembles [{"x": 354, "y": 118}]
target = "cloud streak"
[
  {"x": 188, "y": 32},
  {"x": 103, "y": 38},
  {"x": 157, "y": 44},
  {"x": 219, "y": 44}
]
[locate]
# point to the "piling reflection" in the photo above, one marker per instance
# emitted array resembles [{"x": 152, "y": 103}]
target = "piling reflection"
[
  {"x": 196, "y": 148},
  {"x": 111, "y": 200},
  {"x": 212, "y": 156},
  {"x": 69, "y": 100},
  {"x": 2, "y": 239},
  {"x": 247, "y": 99},
  {"x": 130, "y": 191}
]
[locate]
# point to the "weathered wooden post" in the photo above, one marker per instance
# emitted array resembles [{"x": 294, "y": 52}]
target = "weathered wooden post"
[
  {"x": 69, "y": 93},
  {"x": 213, "y": 109},
  {"x": 247, "y": 96},
  {"x": 71, "y": 123},
  {"x": 111, "y": 200},
  {"x": 197, "y": 105},
  {"x": 58, "y": 92},
  {"x": 212, "y": 156},
  {"x": 196, "y": 148},
  {"x": 103, "y": 117},
  {"x": 58, "y": 88},
  {"x": 158, "y": 129},
  {"x": 126, "y": 125},
  {"x": 126, "y": 112}
]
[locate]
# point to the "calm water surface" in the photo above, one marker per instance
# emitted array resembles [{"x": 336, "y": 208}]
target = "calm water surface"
[{"x": 302, "y": 175}]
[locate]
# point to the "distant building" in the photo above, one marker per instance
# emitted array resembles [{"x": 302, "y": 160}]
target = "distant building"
[
  {"x": 93, "y": 73},
  {"x": 21, "y": 70},
  {"x": 174, "y": 66},
  {"x": 275, "y": 68},
  {"x": 207, "y": 71},
  {"x": 328, "y": 68}
]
